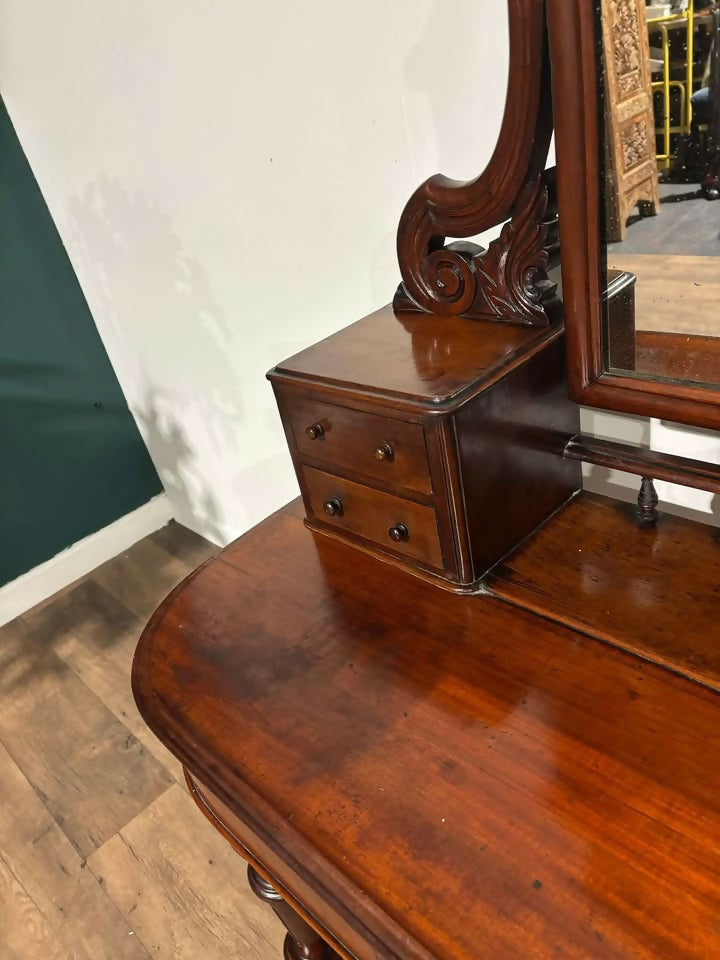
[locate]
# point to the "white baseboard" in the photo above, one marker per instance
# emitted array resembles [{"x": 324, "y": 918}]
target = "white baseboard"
[{"x": 82, "y": 557}]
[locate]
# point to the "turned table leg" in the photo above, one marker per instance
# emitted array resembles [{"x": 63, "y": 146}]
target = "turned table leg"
[{"x": 301, "y": 942}]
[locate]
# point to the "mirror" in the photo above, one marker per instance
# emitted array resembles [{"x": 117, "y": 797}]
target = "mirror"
[
  {"x": 636, "y": 111},
  {"x": 659, "y": 166}
]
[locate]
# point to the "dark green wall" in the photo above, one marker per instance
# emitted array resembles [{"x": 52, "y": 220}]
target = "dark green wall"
[{"x": 71, "y": 458}]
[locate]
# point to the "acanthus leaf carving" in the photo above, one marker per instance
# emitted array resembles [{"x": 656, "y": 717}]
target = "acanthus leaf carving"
[
  {"x": 508, "y": 281},
  {"x": 515, "y": 283}
]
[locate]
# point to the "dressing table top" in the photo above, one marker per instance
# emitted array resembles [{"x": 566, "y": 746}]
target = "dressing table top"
[
  {"x": 653, "y": 591},
  {"x": 414, "y": 358},
  {"x": 434, "y": 775}
]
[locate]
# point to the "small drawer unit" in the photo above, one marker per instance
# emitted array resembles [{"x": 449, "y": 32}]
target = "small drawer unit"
[{"x": 436, "y": 444}]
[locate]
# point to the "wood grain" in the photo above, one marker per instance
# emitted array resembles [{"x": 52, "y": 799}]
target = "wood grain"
[
  {"x": 52, "y": 907},
  {"x": 438, "y": 775},
  {"x": 673, "y": 294},
  {"x": 370, "y": 514},
  {"x": 509, "y": 446},
  {"x": 652, "y": 591},
  {"x": 60, "y": 900},
  {"x": 676, "y": 316},
  {"x": 184, "y": 544},
  {"x": 414, "y": 358},
  {"x": 141, "y": 574},
  {"x": 26, "y": 933},
  {"x": 95, "y": 636},
  {"x": 182, "y": 888},
  {"x": 91, "y": 772},
  {"x": 477, "y": 464},
  {"x": 350, "y": 439},
  {"x": 678, "y": 356}
]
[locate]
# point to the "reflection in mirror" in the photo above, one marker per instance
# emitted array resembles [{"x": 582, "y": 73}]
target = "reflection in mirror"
[{"x": 661, "y": 158}]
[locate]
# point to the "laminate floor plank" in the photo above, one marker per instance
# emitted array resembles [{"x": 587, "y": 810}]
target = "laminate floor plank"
[
  {"x": 183, "y": 888},
  {"x": 47, "y": 896},
  {"x": 182, "y": 543},
  {"x": 93, "y": 775},
  {"x": 142, "y": 576},
  {"x": 687, "y": 225},
  {"x": 95, "y": 635},
  {"x": 25, "y": 933},
  {"x": 82, "y": 779}
]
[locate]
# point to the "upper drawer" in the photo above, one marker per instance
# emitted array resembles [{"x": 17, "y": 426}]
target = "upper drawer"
[{"x": 387, "y": 450}]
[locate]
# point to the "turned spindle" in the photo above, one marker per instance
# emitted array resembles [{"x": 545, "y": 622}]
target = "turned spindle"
[
  {"x": 647, "y": 503},
  {"x": 301, "y": 942}
]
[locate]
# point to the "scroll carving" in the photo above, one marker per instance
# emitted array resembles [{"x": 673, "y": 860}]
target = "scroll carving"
[
  {"x": 625, "y": 28},
  {"x": 634, "y": 142},
  {"x": 507, "y": 281},
  {"x": 631, "y": 174}
]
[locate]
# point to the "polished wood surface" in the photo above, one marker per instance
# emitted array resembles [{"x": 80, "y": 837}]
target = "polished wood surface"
[
  {"x": 575, "y": 73},
  {"x": 644, "y": 462},
  {"x": 294, "y": 915},
  {"x": 679, "y": 356},
  {"x": 477, "y": 460},
  {"x": 416, "y": 358},
  {"x": 373, "y": 514},
  {"x": 652, "y": 591},
  {"x": 619, "y": 302},
  {"x": 302, "y": 942},
  {"x": 674, "y": 294},
  {"x": 510, "y": 443},
  {"x": 443, "y": 776},
  {"x": 676, "y": 317},
  {"x": 351, "y": 440}
]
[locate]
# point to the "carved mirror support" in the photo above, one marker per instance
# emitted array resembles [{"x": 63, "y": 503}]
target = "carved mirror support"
[{"x": 507, "y": 281}]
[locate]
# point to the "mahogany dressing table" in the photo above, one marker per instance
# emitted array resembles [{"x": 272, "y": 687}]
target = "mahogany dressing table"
[{"x": 447, "y": 705}]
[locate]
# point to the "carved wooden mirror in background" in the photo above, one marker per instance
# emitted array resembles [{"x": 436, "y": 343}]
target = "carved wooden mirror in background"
[{"x": 636, "y": 97}]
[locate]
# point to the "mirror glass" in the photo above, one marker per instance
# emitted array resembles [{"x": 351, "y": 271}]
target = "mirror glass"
[{"x": 660, "y": 102}]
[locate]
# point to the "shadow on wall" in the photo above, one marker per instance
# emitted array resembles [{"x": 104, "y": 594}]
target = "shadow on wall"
[
  {"x": 174, "y": 459},
  {"x": 157, "y": 311}
]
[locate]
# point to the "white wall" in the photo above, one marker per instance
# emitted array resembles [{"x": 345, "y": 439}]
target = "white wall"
[
  {"x": 663, "y": 437},
  {"x": 227, "y": 178}
]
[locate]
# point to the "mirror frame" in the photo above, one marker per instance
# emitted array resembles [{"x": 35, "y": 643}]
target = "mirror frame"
[{"x": 574, "y": 54}]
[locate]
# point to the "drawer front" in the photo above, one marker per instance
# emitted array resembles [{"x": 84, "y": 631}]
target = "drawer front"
[
  {"x": 381, "y": 448},
  {"x": 392, "y": 523}
]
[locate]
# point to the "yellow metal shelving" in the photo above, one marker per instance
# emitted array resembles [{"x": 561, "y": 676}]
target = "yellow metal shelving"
[{"x": 665, "y": 24}]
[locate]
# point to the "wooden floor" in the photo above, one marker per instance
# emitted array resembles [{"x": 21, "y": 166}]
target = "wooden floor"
[
  {"x": 687, "y": 225},
  {"x": 103, "y": 855}
]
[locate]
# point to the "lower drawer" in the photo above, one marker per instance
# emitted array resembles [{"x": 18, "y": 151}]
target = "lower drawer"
[{"x": 404, "y": 527}]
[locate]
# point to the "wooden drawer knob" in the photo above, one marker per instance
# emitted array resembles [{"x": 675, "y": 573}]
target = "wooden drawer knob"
[
  {"x": 399, "y": 533},
  {"x": 315, "y": 431},
  {"x": 334, "y": 507},
  {"x": 385, "y": 451}
]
